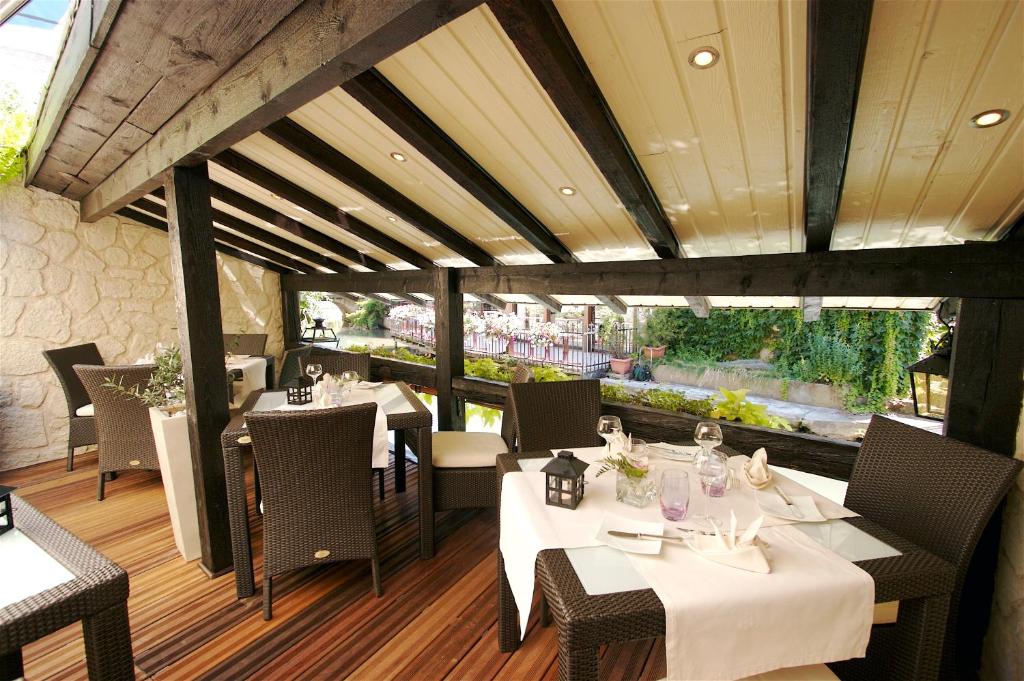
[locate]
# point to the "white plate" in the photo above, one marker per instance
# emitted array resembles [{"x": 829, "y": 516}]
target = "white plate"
[
  {"x": 674, "y": 452},
  {"x": 614, "y": 522},
  {"x": 771, "y": 503},
  {"x": 369, "y": 385}
]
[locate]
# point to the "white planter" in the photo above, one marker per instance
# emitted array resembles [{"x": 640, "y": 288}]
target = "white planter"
[{"x": 175, "y": 456}]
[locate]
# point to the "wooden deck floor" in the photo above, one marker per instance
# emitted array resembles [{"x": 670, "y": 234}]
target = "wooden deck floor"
[{"x": 436, "y": 619}]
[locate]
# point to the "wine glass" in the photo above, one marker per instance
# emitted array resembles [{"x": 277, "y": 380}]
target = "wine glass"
[
  {"x": 314, "y": 371},
  {"x": 349, "y": 379},
  {"x": 714, "y": 478},
  {"x": 708, "y": 435},
  {"x": 607, "y": 428}
]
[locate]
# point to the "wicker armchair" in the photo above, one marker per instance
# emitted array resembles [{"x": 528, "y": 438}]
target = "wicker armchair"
[
  {"x": 317, "y": 489},
  {"x": 934, "y": 491},
  {"x": 557, "y": 415},
  {"x": 245, "y": 343},
  {"x": 122, "y": 423},
  {"x": 293, "y": 365},
  {"x": 335, "y": 362},
  {"x": 81, "y": 423}
]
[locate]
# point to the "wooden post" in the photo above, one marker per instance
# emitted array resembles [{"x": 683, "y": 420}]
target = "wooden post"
[
  {"x": 197, "y": 297},
  {"x": 291, "y": 318},
  {"x": 588, "y": 321},
  {"x": 449, "y": 348},
  {"x": 986, "y": 385}
]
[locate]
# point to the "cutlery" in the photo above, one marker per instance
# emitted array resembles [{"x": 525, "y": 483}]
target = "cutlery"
[
  {"x": 789, "y": 502},
  {"x": 642, "y": 535}
]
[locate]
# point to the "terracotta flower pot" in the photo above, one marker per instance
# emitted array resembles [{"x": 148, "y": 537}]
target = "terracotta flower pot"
[
  {"x": 652, "y": 352},
  {"x": 621, "y": 366}
]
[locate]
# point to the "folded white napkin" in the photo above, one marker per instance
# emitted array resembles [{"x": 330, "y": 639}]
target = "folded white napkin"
[
  {"x": 744, "y": 552},
  {"x": 329, "y": 382},
  {"x": 322, "y": 398},
  {"x": 756, "y": 470},
  {"x": 619, "y": 444},
  {"x": 805, "y": 509}
]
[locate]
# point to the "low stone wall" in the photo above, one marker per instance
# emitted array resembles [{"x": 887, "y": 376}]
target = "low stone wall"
[
  {"x": 813, "y": 394},
  {"x": 64, "y": 282}
]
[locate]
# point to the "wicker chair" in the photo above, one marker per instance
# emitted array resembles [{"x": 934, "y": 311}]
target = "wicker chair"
[
  {"x": 934, "y": 491},
  {"x": 245, "y": 343},
  {"x": 557, "y": 415},
  {"x": 293, "y": 365},
  {"x": 81, "y": 423},
  {"x": 319, "y": 511},
  {"x": 335, "y": 362},
  {"x": 122, "y": 423}
]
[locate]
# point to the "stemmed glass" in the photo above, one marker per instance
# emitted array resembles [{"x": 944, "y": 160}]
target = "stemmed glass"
[
  {"x": 314, "y": 371},
  {"x": 349, "y": 379},
  {"x": 607, "y": 428},
  {"x": 711, "y": 467}
]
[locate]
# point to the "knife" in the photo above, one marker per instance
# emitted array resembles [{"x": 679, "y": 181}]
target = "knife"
[
  {"x": 797, "y": 513},
  {"x": 642, "y": 535}
]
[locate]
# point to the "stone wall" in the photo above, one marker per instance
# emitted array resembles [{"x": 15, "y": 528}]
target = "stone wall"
[
  {"x": 65, "y": 282},
  {"x": 1003, "y": 656}
]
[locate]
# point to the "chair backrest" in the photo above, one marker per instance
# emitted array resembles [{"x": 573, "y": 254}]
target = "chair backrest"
[
  {"x": 559, "y": 414},
  {"x": 245, "y": 343},
  {"x": 335, "y": 362},
  {"x": 520, "y": 374},
  {"x": 316, "y": 483},
  {"x": 62, "y": 360},
  {"x": 293, "y": 365},
  {"x": 935, "y": 491},
  {"x": 123, "y": 428}
]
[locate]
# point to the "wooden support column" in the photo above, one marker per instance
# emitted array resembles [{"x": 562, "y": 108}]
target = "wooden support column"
[
  {"x": 291, "y": 318},
  {"x": 986, "y": 386},
  {"x": 449, "y": 347},
  {"x": 197, "y": 297},
  {"x": 589, "y": 319}
]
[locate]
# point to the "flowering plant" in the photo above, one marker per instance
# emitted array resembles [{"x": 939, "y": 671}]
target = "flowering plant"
[
  {"x": 502, "y": 327},
  {"x": 544, "y": 334},
  {"x": 473, "y": 323}
]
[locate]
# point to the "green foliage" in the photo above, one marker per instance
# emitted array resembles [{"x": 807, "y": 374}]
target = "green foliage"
[
  {"x": 734, "y": 406},
  {"x": 659, "y": 399},
  {"x": 15, "y": 131},
  {"x": 487, "y": 368},
  {"x": 545, "y": 374},
  {"x": 370, "y": 316},
  {"x": 612, "y": 336},
  {"x": 865, "y": 351},
  {"x": 307, "y": 305},
  {"x": 166, "y": 388},
  {"x": 480, "y": 368},
  {"x": 623, "y": 465}
]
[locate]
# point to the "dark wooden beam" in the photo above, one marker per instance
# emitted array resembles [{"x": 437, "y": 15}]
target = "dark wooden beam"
[
  {"x": 493, "y": 301},
  {"x": 448, "y": 346},
  {"x": 194, "y": 277},
  {"x": 837, "y": 38},
  {"x": 316, "y": 47},
  {"x": 291, "y": 192},
  {"x": 545, "y": 44},
  {"x": 291, "y": 318},
  {"x": 547, "y": 302},
  {"x": 315, "y": 151},
  {"x": 312, "y": 235},
  {"x": 393, "y": 108},
  {"x": 392, "y": 281},
  {"x": 614, "y": 304},
  {"x": 1016, "y": 230},
  {"x": 151, "y": 221}
]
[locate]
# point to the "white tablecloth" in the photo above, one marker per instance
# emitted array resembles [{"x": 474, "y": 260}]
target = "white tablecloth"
[
  {"x": 721, "y": 622},
  {"x": 254, "y": 377},
  {"x": 380, "y": 426}
]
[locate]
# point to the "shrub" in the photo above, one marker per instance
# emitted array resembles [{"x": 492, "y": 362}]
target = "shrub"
[
  {"x": 370, "y": 316},
  {"x": 734, "y": 406}
]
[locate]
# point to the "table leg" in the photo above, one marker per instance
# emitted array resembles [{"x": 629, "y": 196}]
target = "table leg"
[
  {"x": 238, "y": 519},
  {"x": 425, "y": 492},
  {"x": 108, "y": 644},
  {"x": 399, "y": 461},
  {"x": 508, "y": 627},
  {"x": 577, "y": 664},
  {"x": 11, "y": 666}
]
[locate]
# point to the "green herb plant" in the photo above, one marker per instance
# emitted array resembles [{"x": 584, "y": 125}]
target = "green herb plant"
[
  {"x": 165, "y": 388},
  {"x": 734, "y": 406},
  {"x": 623, "y": 465}
]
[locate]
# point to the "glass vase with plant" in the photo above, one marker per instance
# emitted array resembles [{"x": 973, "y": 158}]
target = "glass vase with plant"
[
  {"x": 165, "y": 389},
  {"x": 633, "y": 484}
]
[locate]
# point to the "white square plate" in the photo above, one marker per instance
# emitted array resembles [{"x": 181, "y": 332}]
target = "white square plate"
[{"x": 614, "y": 522}]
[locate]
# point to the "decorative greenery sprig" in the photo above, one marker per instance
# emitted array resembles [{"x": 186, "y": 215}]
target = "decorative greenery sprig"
[
  {"x": 620, "y": 463},
  {"x": 166, "y": 387}
]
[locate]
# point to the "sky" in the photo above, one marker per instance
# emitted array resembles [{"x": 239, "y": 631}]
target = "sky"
[{"x": 30, "y": 42}]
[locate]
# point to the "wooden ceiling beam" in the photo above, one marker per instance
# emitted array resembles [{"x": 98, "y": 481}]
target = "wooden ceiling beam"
[
  {"x": 150, "y": 221},
  {"x": 494, "y": 301},
  {"x": 547, "y": 302},
  {"x": 614, "y": 304},
  {"x": 387, "y": 103},
  {"x": 837, "y": 40},
  {"x": 291, "y": 192},
  {"x": 326, "y": 158}
]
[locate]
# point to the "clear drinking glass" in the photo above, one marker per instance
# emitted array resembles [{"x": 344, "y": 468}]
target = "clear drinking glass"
[
  {"x": 607, "y": 427},
  {"x": 314, "y": 371},
  {"x": 710, "y": 467},
  {"x": 638, "y": 453},
  {"x": 674, "y": 494},
  {"x": 349, "y": 379}
]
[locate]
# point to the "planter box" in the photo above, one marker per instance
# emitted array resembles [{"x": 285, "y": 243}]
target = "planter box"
[
  {"x": 175, "y": 457},
  {"x": 620, "y": 366}
]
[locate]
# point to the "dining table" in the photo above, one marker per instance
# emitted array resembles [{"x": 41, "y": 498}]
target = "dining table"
[
  {"x": 405, "y": 413},
  {"x": 595, "y": 596}
]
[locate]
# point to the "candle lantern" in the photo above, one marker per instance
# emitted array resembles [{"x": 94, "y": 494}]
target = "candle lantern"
[
  {"x": 301, "y": 392},
  {"x": 563, "y": 477},
  {"x": 6, "y": 511},
  {"x": 929, "y": 377}
]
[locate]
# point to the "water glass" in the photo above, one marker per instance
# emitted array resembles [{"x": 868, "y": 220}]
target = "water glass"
[
  {"x": 349, "y": 380},
  {"x": 314, "y": 371},
  {"x": 674, "y": 494},
  {"x": 607, "y": 427},
  {"x": 637, "y": 453}
]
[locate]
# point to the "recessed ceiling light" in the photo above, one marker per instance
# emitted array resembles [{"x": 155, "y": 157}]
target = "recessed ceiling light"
[
  {"x": 986, "y": 119},
  {"x": 703, "y": 57},
  {"x": 392, "y": 218},
  {"x": 398, "y": 157},
  {"x": 568, "y": 191}
]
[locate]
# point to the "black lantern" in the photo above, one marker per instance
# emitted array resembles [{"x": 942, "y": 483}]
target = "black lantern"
[
  {"x": 301, "y": 391},
  {"x": 929, "y": 377},
  {"x": 6, "y": 511},
  {"x": 564, "y": 480}
]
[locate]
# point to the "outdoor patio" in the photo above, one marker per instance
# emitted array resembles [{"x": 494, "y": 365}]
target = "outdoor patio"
[{"x": 200, "y": 479}]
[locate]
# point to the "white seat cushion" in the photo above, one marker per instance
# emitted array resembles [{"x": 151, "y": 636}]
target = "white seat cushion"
[
  {"x": 811, "y": 672},
  {"x": 85, "y": 410},
  {"x": 455, "y": 449}
]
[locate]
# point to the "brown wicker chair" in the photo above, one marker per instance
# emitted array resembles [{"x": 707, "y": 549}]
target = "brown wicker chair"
[
  {"x": 335, "y": 362},
  {"x": 562, "y": 414},
  {"x": 245, "y": 343},
  {"x": 122, "y": 423},
  {"x": 293, "y": 365},
  {"x": 81, "y": 427},
  {"x": 934, "y": 491},
  {"x": 317, "y": 489}
]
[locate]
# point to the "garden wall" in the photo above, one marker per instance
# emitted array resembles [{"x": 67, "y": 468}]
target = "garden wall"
[
  {"x": 64, "y": 282},
  {"x": 814, "y": 394}
]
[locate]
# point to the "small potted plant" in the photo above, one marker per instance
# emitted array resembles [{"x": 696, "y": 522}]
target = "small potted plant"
[
  {"x": 633, "y": 484},
  {"x": 653, "y": 352},
  {"x": 613, "y": 338}
]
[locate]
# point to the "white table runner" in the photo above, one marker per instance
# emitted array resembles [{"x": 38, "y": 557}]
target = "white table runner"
[
  {"x": 254, "y": 376},
  {"x": 804, "y": 577}
]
